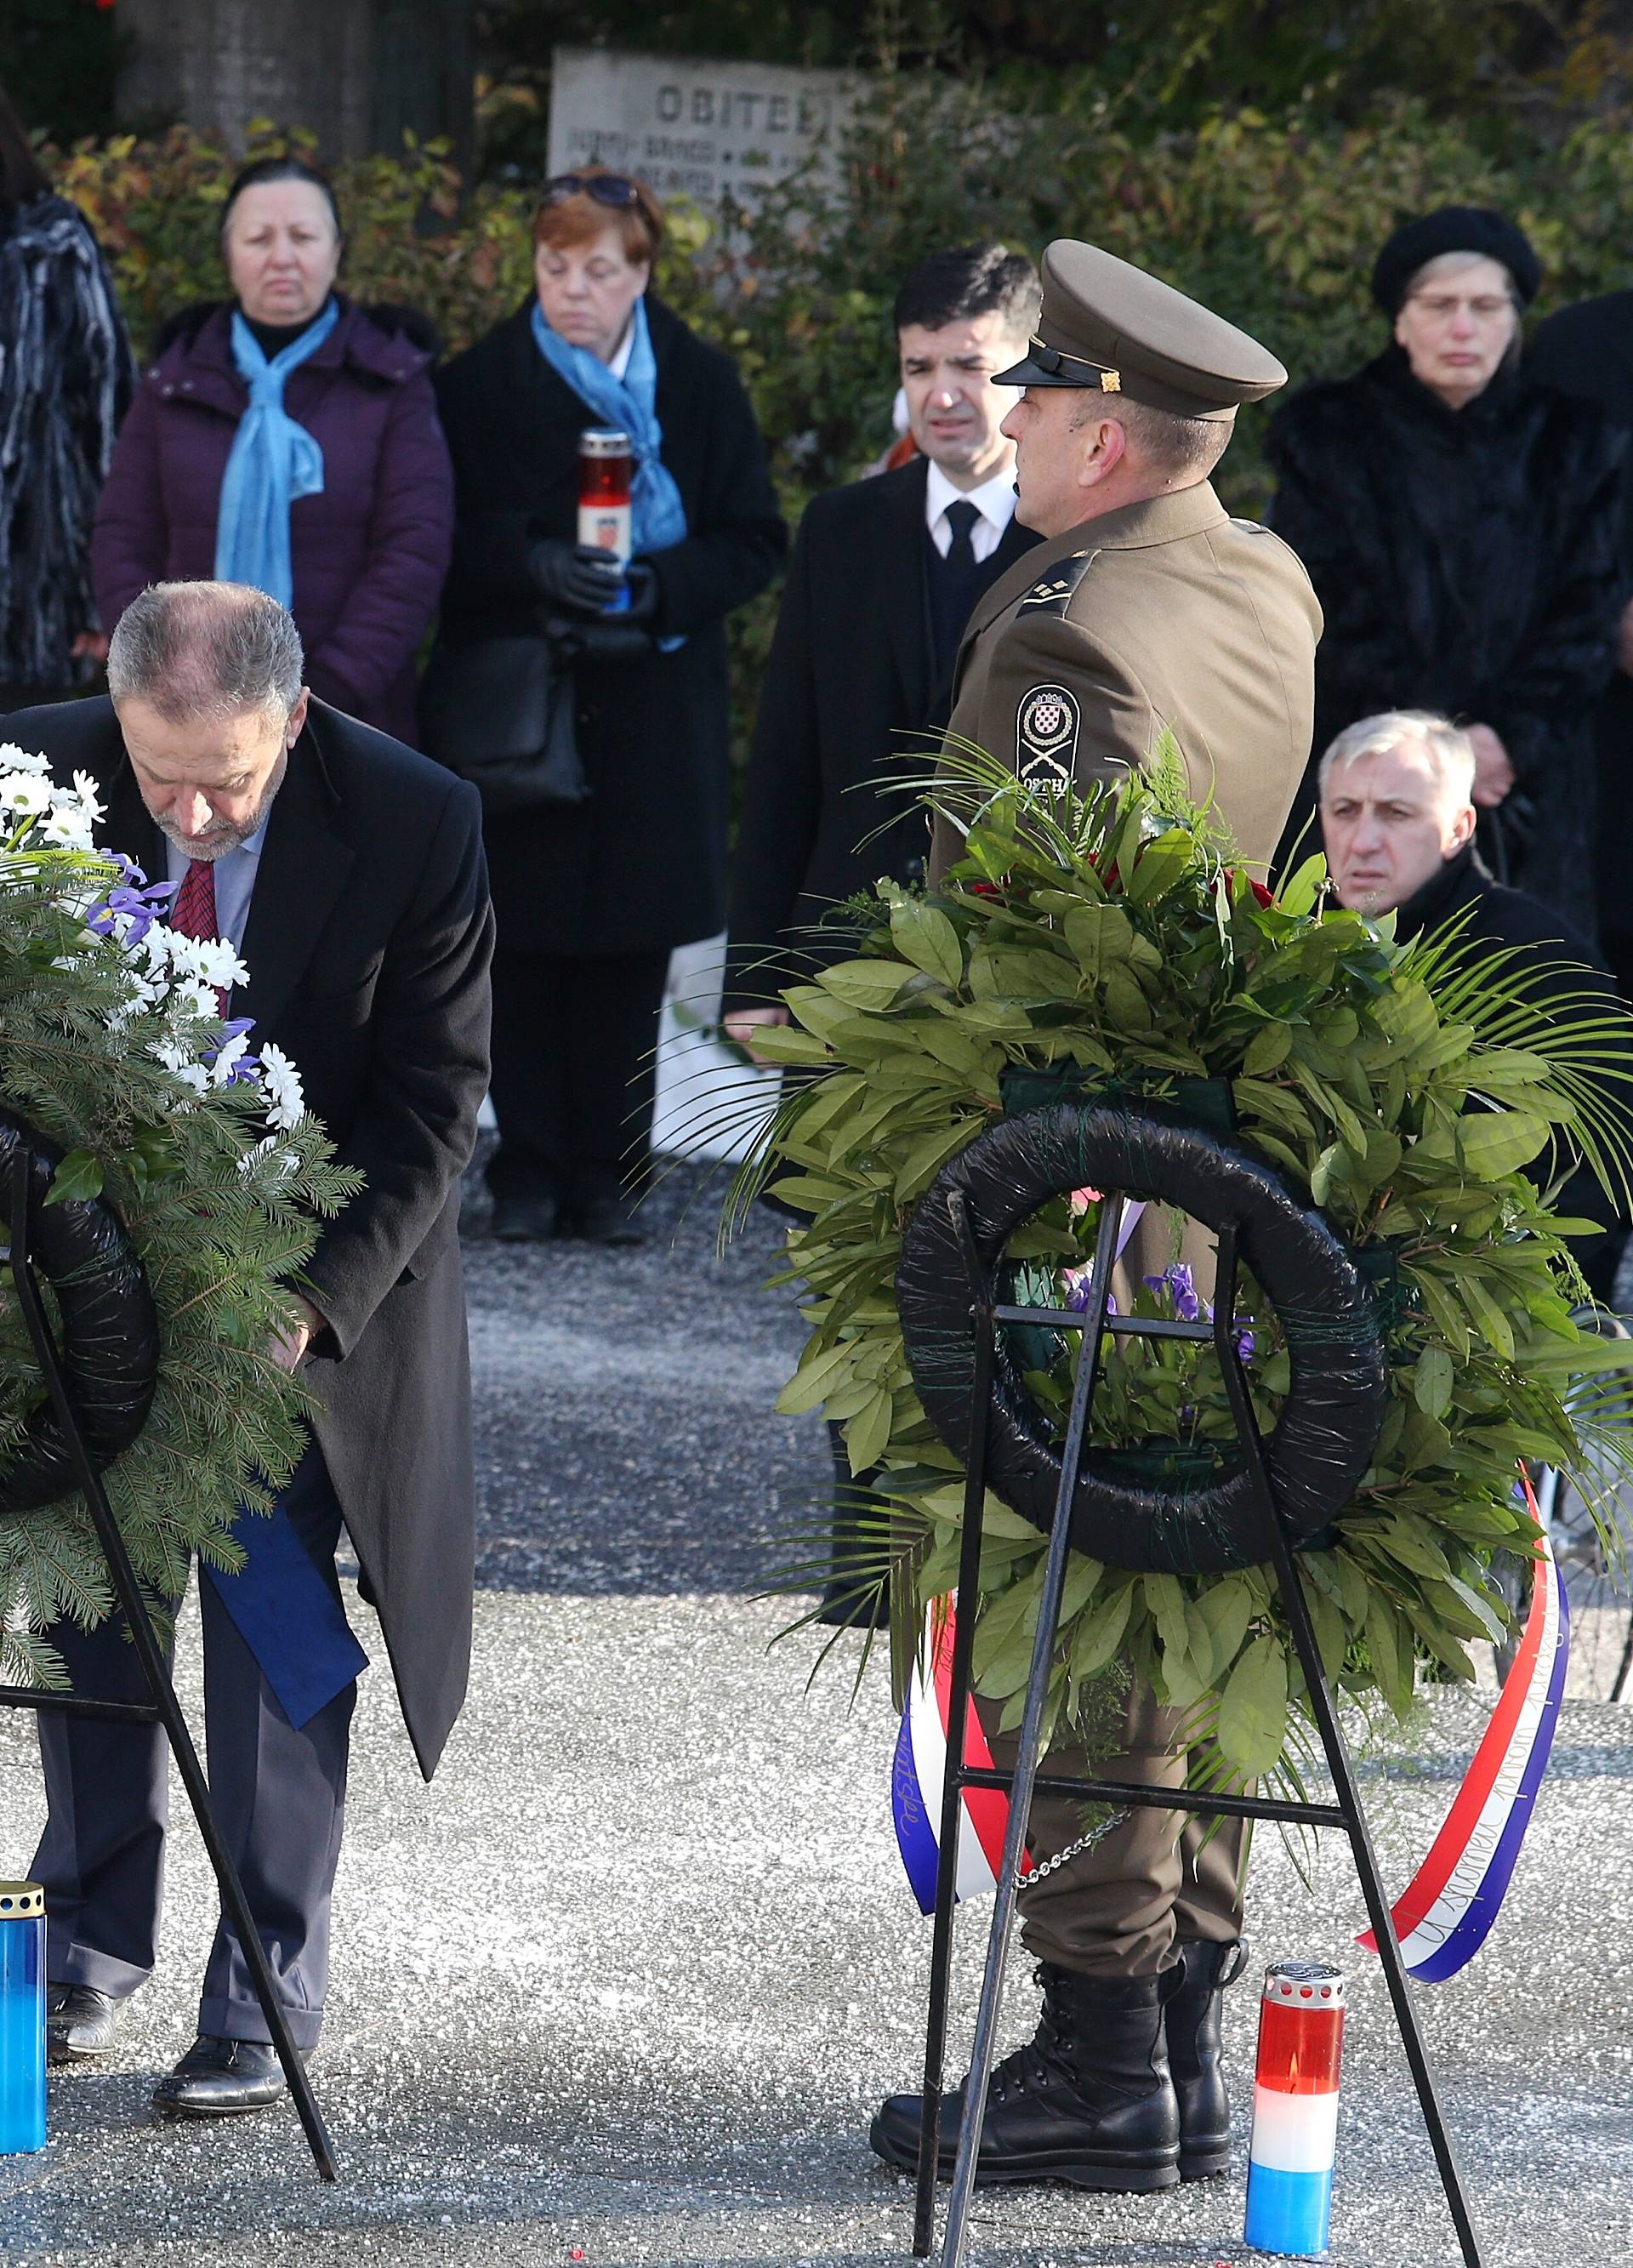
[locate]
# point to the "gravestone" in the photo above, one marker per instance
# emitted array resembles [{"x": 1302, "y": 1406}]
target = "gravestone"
[{"x": 713, "y": 132}]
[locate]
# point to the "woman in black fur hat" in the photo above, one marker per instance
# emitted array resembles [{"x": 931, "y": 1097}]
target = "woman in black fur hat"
[{"x": 1460, "y": 526}]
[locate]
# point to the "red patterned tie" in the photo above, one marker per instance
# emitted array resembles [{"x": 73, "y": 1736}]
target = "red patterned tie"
[{"x": 193, "y": 909}]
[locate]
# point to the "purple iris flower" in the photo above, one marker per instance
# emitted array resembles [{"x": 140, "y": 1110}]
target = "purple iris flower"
[
  {"x": 143, "y": 903},
  {"x": 1180, "y": 1286},
  {"x": 1245, "y": 1344},
  {"x": 1078, "y": 1293}
]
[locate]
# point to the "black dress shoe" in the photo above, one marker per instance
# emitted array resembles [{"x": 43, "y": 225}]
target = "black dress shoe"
[
  {"x": 1192, "y": 1994},
  {"x": 222, "y": 2079},
  {"x": 604, "y": 1220},
  {"x": 524, "y": 1220},
  {"x": 80, "y": 2022},
  {"x": 1089, "y": 2101}
]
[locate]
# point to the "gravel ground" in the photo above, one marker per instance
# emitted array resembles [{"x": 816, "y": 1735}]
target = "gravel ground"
[{"x": 627, "y": 1982}]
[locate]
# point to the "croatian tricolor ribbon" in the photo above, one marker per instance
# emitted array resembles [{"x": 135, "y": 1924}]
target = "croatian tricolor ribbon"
[
  {"x": 920, "y": 1775},
  {"x": 1445, "y": 1914}
]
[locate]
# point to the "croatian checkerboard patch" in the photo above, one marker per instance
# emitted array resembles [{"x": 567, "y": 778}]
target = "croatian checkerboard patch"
[{"x": 1047, "y": 730}]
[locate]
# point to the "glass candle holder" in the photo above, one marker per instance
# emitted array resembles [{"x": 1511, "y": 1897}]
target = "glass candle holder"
[
  {"x": 605, "y": 473},
  {"x": 22, "y": 2018},
  {"x": 1295, "y": 2111}
]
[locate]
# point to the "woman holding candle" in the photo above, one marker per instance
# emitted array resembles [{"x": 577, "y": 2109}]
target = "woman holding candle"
[{"x": 630, "y": 553}]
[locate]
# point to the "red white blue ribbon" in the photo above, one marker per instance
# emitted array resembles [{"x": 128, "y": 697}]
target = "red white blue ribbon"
[
  {"x": 1445, "y": 1914},
  {"x": 920, "y": 1775}
]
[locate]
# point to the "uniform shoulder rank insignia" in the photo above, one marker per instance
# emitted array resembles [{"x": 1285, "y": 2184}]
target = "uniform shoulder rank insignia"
[
  {"x": 1046, "y": 731},
  {"x": 1053, "y": 594}
]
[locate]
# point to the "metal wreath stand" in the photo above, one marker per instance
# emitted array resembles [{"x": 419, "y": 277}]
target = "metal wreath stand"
[
  {"x": 1280, "y": 1494},
  {"x": 101, "y": 1384}
]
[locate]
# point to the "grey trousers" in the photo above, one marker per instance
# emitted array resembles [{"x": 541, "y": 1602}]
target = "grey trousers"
[
  {"x": 1158, "y": 1880},
  {"x": 278, "y": 1795}
]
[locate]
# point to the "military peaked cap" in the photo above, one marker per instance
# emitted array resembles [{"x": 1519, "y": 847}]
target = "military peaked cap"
[{"x": 1105, "y": 324}]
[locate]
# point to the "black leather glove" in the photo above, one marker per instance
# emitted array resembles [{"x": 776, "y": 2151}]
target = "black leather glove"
[
  {"x": 579, "y": 576},
  {"x": 642, "y": 608}
]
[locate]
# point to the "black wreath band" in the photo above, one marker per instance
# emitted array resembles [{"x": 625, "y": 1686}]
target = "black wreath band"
[
  {"x": 1324, "y": 1437},
  {"x": 109, "y": 1328}
]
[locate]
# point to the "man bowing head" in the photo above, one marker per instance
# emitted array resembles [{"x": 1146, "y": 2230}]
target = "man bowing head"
[{"x": 348, "y": 872}]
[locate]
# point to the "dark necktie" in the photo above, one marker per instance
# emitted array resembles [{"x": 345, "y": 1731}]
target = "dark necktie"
[
  {"x": 961, "y": 518},
  {"x": 193, "y": 909}
]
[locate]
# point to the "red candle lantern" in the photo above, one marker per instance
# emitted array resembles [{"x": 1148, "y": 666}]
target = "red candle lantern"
[{"x": 605, "y": 470}]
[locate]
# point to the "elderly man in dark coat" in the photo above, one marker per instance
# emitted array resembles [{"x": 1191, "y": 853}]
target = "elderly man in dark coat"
[
  {"x": 1399, "y": 823},
  {"x": 350, "y": 874}
]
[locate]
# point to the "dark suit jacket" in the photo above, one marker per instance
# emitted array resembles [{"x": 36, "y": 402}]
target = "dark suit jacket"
[
  {"x": 849, "y": 700},
  {"x": 368, "y": 942}
]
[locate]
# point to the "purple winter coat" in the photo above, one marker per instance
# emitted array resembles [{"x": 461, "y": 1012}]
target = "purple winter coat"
[{"x": 369, "y": 552}]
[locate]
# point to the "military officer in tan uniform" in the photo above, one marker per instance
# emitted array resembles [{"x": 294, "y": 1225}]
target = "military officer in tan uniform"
[{"x": 1147, "y": 607}]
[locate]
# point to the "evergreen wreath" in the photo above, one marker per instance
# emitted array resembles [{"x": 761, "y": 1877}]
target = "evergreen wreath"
[
  {"x": 113, "y": 1049},
  {"x": 1108, "y": 945}
]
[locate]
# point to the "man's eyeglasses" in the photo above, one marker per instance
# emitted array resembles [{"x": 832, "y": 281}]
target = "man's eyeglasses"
[{"x": 607, "y": 189}]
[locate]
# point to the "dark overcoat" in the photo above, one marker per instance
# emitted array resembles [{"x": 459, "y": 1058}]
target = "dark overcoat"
[
  {"x": 640, "y": 866},
  {"x": 368, "y": 943},
  {"x": 1561, "y": 974},
  {"x": 851, "y": 694},
  {"x": 1586, "y": 351},
  {"x": 1467, "y": 561},
  {"x": 368, "y": 552}
]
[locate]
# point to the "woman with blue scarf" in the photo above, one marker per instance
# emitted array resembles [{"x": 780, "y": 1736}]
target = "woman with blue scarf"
[
  {"x": 289, "y": 439},
  {"x": 591, "y": 896}
]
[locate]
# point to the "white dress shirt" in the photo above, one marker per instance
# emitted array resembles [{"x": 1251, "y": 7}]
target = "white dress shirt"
[{"x": 994, "y": 500}]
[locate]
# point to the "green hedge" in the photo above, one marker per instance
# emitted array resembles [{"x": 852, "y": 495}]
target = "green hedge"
[{"x": 1274, "y": 222}]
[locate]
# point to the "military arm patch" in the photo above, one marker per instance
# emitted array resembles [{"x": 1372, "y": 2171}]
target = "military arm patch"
[
  {"x": 1053, "y": 594},
  {"x": 1046, "y": 732}
]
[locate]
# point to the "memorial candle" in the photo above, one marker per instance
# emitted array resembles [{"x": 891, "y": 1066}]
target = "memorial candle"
[
  {"x": 22, "y": 2018},
  {"x": 1295, "y": 2110}
]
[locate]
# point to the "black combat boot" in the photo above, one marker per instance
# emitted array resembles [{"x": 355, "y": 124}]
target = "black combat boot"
[
  {"x": 1089, "y": 2101},
  {"x": 1192, "y": 1993}
]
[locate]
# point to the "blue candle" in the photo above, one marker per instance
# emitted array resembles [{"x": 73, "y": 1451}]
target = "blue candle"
[{"x": 22, "y": 2018}]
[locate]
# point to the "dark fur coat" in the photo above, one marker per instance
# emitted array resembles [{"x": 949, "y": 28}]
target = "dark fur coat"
[
  {"x": 1466, "y": 561},
  {"x": 65, "y": 379}
]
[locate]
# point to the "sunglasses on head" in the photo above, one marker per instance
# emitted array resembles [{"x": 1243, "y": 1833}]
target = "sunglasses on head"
[{"x": 607, "y": 189}]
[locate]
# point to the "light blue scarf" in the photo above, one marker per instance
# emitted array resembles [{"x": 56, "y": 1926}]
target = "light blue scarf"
[
  {"x": 273, "y": 461},
  {"x": 630, "y": 404}
]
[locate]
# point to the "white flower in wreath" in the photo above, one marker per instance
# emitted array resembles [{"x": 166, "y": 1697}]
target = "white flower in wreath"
[
  {"x": 217, "y": 963},
  {"x": 13, "y": 759},
  {"x": 286, "y": 1101},
  {"x": 197, "y": 997},
  {"x": 178, "y": 1060},
  {"x": 226, "y": 1056},
  {"x": 24, "y": 794},
  {"x": 68, "y": 825},
  {"x": 281, "y": 1163}
]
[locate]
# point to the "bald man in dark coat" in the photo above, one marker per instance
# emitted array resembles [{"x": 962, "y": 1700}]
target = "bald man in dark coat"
[{"x": 359, "y": 904}]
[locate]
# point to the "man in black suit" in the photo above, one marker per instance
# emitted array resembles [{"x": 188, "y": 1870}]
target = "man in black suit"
[
  {"x": 348, "y": 872},
  {"x": 883, "y": 579}
]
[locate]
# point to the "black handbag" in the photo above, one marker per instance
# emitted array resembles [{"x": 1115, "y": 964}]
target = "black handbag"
[{"x": 500, "y": 712}]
